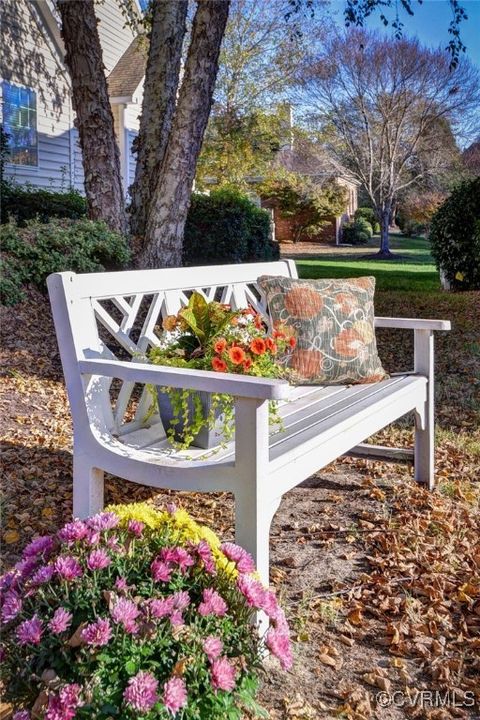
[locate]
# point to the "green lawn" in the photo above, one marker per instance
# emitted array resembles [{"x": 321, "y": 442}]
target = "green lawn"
[{"x": 415, "y": 271}]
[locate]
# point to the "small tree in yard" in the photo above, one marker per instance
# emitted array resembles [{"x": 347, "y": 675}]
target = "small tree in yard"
[
  {"x": 308, "y": 204},
  {"x": 383, "y": 105}
]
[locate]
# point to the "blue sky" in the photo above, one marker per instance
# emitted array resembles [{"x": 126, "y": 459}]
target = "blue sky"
[{"x": 430, "y": 23}]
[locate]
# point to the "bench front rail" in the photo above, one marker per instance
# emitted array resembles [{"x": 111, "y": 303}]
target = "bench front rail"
[{"x": 93, "y": 313}]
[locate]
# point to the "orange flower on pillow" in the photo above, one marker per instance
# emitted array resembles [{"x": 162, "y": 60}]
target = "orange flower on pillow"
[
  {"x": 292, "y": 342},
  {"x": 348, "y": 343},
  {"x": 307, "y": 363},
  {"x": 220, "y": 345},
  {"x": 218, "y": 364},
  {"x": 258, "y": 346},
  {"x": 236, "y": 355},
  {"x": 346, "y": 301},
  {"x": 303, "y": 302}
]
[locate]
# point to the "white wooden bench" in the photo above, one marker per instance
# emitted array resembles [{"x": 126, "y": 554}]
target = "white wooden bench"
[{"x": 105, "y": 322}]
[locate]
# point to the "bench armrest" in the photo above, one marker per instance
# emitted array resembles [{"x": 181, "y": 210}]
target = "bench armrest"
[
  {"x": 214, "y": 382},
  {"x": 412, "y": 323}
]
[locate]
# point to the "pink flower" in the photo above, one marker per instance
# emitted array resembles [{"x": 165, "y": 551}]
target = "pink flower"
[
  {"x": 270, "y": 604},
  {"x": 223, "y": 674},
  {"x": 278, "y": 643},
  {"x": 126, "y": 612},
  {"x": 239, "y": 556},
  {"x": 113, "y": 544},
  {"x": 181, "y": 600},
  {"x": 98, "y": 560},
  {"x": 141, "y": 693},
  {"x": 73, "y": 531},
  {"x": 174, "y": 694},
  {"x": 64, "y": 705},
  {"x": 212, "y": 647},
  {"x": 26, "y": 567},
  {"x": 121, "y": 584},
  {"x": 280, "y": 621},
  {"x": 213, "y": 604},
  {"x": 40, "y": 546},
  {"x": 21, "y": 715},
  {"x": 136, "y": 527},
  {"x": 161, "y": 608},
  {"x": 43, "y": 575},
  {"x": 60, "y": 621},
  {"x": 12, "y": 604},
  {"x": 7, "y": 580},
  {"x": 93, "y": 537},
  {"x": 183, "y": 559},
  {"x": 68, "y": 567},
  {"x": 176, "y": 618},
  {"x": 98, "y": 633},
  {"x": 252, "y": 590},
  {"x": 103, "y": 521},
  {"x": 204, "y": 552},
  {"x": 161, "y": 572},
  {"x": 171, "y": 508},
  {"x": 29, "y": 632}
]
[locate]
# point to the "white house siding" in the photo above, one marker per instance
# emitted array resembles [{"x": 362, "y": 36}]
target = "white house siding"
[
  {"x": 31, "y": 59},
  {"x": 115, "y": 34}
]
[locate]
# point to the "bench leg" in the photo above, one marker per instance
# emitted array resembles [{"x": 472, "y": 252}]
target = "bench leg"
[
  {"x": 87, "y": 489},
  {"x": 424, "y": 456}
]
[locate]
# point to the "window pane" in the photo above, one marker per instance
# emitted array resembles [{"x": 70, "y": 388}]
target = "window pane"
[{"x": 20, "y": 124}]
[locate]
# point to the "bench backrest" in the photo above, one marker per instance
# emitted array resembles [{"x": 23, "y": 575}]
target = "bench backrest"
[{"x": 114, "y": 314}]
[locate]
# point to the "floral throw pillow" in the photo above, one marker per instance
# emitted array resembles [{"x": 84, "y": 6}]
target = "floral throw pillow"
[{"x": 333, "y": 323}]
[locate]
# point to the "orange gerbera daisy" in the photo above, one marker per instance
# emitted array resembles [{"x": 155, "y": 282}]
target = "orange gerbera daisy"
[
  {"x": 236, "y": 354},
  {"x": 247, "y": 364},
  {"x": 218, "y": 364},
  {"x": 292, "y": 342},
  {"x": 271, "y": 345},
  {"x": 220, "y": 345},
  {"x": 258, "y": 322},
  {"x": 258, "y": 346}
]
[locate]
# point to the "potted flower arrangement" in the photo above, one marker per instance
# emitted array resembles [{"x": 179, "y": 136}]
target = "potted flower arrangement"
[
  {"x": 212, "y": 336},
  {"x": 135, "y": 613}
]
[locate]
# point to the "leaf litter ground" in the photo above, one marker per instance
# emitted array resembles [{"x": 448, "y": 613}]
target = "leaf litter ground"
[{"x": 381, "y": 579}]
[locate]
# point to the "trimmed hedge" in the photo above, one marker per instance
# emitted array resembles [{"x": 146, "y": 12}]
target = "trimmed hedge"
[
  {"x": 31, "y": 253},
  {"x": 24, "y": 203},
  {"x": 226, "y": 227},
  {"x": 455, "y": 236}
]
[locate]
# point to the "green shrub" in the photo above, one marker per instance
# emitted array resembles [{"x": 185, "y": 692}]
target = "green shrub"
[
  {"x": 24, "y": 203},
  {"x": 226, "y": 227},
  {"x": 455, "y": 236},
  {"x": 367, "y": 214},
  {"x": 412, "y": 227},
  {"x": 31, "y": 253},
  {"x": 358, "y": 232}
]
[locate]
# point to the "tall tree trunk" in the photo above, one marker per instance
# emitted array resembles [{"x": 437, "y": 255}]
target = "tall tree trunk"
[
  {"x": 159, "y": 98},
  {"x": 94, "y": 119},
  {"x": 384, "y": 228},
  {"x": 169, "y": 206}
]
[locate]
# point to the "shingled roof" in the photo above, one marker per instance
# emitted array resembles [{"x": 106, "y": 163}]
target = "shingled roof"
[{"x": 128, "y": 73}]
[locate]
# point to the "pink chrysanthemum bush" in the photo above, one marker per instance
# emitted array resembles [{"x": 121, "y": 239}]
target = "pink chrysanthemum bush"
[{"x": 135, "y": 613}]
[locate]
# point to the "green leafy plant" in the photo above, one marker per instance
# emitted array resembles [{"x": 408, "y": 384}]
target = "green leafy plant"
[
  {"x": 226, "y": 227},
  {"x": 31, "y": 253},
  {"x": 211, "y": 336},
  {"x": 455, "y": 236},
  {"x": 23, "y": 203},
  {"x": 135, "y": 613},
  {"x": 358, "y": 232}
]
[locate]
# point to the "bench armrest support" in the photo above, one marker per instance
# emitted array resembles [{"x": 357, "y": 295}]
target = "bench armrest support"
[
  {"x": 214, "y": 382},
  {"x": 412, "y": 323}
]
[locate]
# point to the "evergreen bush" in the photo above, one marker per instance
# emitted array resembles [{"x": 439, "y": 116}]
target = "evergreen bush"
[
  {"x": 31, "y": 253},
  {"x": 24, "y": 203},
  {"x": 455, "y": 236},
  {"x": 226, "y": 227}
]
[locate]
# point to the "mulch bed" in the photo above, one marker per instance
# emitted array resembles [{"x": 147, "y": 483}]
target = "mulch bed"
[{"x": 380, "y": 579}]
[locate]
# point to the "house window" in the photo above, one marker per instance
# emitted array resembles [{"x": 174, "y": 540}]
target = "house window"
[{"x": 20, "y": 124}]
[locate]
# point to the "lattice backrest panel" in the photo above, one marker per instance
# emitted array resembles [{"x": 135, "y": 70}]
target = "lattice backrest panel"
[{"x": 129, "y": 325}]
